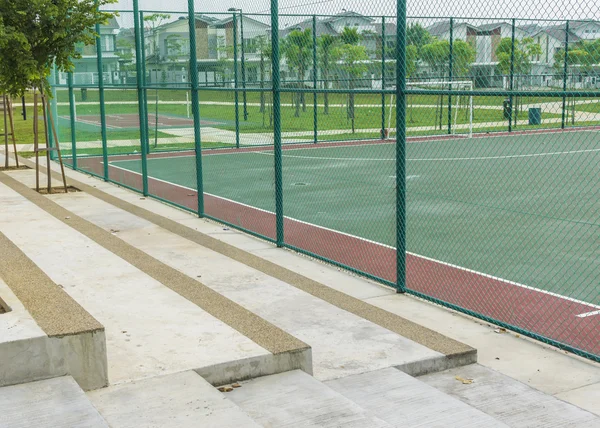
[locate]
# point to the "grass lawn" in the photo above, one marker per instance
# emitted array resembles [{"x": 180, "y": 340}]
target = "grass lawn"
[
  {"x": 130, "y": 94},
  {"x": 365, "y": 118}
]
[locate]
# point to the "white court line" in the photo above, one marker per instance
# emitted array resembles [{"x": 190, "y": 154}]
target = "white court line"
[
  {"x": 530, "y": 155},
  {"x": 588, "y": 314},
  {"x": 89, "y": 122},
  {"x": 527, "y": 287}
]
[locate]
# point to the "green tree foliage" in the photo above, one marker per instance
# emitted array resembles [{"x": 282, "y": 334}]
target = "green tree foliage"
[
  {"x": 417, "y": 36},
  {"x": 437, "y": 55},
  {"x": 525, "y": 50},
  {"x": 328, "y": 54},
  {"x": 125, "y": 51},
  {"x": 39, "y": 34},
  {"x": 350, "y": 36},
  {"x": 297, "y": 50},
  {"x": 592, "y": 49},
  {"x": 354, "y": 59},
  {"x": 577, "y": 58}
]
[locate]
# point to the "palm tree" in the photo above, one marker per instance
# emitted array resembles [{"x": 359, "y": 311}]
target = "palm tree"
[
  {"x": 328, "y": 55},
  {"x": 297, "y": 49}
]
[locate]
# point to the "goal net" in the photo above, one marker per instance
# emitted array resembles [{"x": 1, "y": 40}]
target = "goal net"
[{"x": 442, "y": 85}]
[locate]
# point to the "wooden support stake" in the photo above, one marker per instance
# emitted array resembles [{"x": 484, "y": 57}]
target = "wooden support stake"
[
  {"x": 12, "y": 130},
  {"x": 48, "y": 173},
  {"x": 4, "y": 107},
  {"x": 54, "y": 133},
  {"x": 36, "y": 140}
]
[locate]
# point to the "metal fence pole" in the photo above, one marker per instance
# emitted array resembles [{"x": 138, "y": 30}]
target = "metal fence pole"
[
  {"x": 401, "y": 146},
  {"x": 140, "y": 88},
  {"x": 101, "y": 100},
  {"x": 196, "y": 106},
  {"x": 277, "y": 123},
  {"x": 450, "y": 74},
  {"x": 235, "y": 82},
  {"x": 511, "y": 75},
  {"x": 243, "y": 66},
  {"x": 145, "y": 121},
  {"x": 72, "y": 120},
  {"x": 565, "y": 69},
  {"x": 315, "y": 114},
  {"x": 383, "y": 136}
]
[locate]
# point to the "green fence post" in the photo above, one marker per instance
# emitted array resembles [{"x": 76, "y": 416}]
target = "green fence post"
[
  {"x": 315, "y": 114},
  {"x": 401, "y": 146},
  {"x": 72, "y": 120},
  {"x": 511, "y": 78},
  {"x": 243, "y": 66},
  {"x": 196, "y": 107},
  {"x": 450, "y": 74},
  {"x": 101, "y": 100},
  {"x": 565, "y": 69},
  {"x": 144, "y": 120},
  {"x": 277, "y": 155},
  {"x": 383, "y": 77},
  {"x": 141, "y": 100},
  {"x": 235, "y": 82}
]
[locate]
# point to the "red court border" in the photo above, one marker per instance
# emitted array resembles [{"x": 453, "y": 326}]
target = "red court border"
[{"x": 545, "y": 314}]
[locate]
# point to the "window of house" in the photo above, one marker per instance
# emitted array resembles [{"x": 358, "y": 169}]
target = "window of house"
[
  {"x": 107, "y": 42},
  {"x": 250, "y": 45},
  {"x": 175, "y": 46}
]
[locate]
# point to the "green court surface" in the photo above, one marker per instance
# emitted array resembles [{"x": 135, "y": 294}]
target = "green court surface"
[{"x": 524, "y": 208}]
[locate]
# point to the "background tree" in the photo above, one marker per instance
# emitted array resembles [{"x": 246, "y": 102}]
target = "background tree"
[
  {"x": 354, "y": 59},
  {"x": 578, "y": 59},
  {"x": 264, "y": 52},
  {"x": 297, "y": 50},
  {"x": 418, "y": 36},
  {"x": 328, "y": 55},
  {"x": 437, "y": 55},
  {"x": 125, "y": 51},
  {"x": 524, "y": 52},
  {"x": 412, "y": 57},
  {"x": 39, "y": 34},
  {"x": 153, "y": 22}
]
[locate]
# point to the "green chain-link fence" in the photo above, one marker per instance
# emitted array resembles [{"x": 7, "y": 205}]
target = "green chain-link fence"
[{"x": 449, "y": 157}]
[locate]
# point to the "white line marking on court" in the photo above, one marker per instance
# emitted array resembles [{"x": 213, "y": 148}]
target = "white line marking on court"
[
  {"x": 588, "y": 314},
  {"x": 530, "y": 155},
  {"x": 517, "y": 284}
]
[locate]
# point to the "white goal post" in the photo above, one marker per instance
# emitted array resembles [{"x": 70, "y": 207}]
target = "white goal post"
[{"x": 446, "y": 85}]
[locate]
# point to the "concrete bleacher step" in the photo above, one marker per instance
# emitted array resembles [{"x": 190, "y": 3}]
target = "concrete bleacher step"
[
  {"x": 52, "y": 403},
  {"x": 172, "y": 401},
  {"x": 508, "y": 400},
  {"x": 404, "y": 401},
  {"x": 296, "y": 399}
]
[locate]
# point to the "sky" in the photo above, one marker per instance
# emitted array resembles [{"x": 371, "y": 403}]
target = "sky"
[
  {"x": 559, "y": 9},
  {"x": 538, "y": 9}
]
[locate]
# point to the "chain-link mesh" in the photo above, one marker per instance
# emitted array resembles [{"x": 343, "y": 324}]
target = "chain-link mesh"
[{"x": 473, "y": 144}]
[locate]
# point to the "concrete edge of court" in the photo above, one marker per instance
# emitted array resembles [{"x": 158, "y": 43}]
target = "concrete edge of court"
[{"x": 455, "y": 352}]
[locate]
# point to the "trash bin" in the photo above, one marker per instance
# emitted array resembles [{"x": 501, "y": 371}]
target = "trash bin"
[
  {"x": 507, "y": 109},
  {"x": 535, "y": 116},
  {"x": 83, "y": 94}
]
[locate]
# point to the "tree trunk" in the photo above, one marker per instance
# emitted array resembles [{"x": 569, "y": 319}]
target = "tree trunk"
[
  {"x": 262, "y": 83},
  {"x": 297, "y": 113},
  {"x": 441, "y": 110},
  {"x": 351, "y": 104}
]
